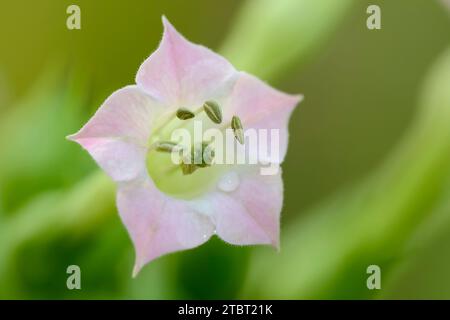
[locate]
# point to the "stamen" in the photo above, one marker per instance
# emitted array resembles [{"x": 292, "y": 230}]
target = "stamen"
[
  {"x": 188, "y": 168},
  {"x": 184, "y": 114},
  {"x": 208, "y": 154},
  {"x": 167, "y": 146},
  {"x": 188, "y": 165},
  {"x": 236, "y": 125},
  {"x": 181, "y": 114},
  {"x": 213, "y": 111},
  {"x": 202, "y": 154}
]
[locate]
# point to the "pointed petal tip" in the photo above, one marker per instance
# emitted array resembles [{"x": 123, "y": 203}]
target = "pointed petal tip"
[
  {"x": 72, "y": 137},
  {"x": 137, "y": 268},
  {"x": 171, "y": 33},
  {"x": 297, "y": 99},
  {"x": 139, "y": 262},
  {"x": 276, "y": 245},
  {"x": 167, "y": 25}
]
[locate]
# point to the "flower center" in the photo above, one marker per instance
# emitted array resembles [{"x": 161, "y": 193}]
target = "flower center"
[
  {"x": 169, "y": 178},
  {"x": 184, "y": 168}
]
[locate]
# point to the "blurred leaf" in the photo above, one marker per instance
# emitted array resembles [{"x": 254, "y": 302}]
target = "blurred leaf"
[
  {"x": 422, "y": 270},
  {"x": 325, "y": 255},
  {"x": 35, "y": 155},
  {"x": 215, "y": 270},
  {"x": 53, "y": 214},
  {"x": 40, "y": 266},
  {"x": 268, "y": 36}
]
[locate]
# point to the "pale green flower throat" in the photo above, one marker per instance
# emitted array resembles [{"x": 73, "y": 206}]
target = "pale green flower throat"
[{"x": 194, "y": 159}]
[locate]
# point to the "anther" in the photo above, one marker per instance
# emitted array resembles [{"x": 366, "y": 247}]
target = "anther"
[
  {"x": 213, "y": 111},
  {"x": 238, "y": 130},
  {"x": 184, "y": 114}
]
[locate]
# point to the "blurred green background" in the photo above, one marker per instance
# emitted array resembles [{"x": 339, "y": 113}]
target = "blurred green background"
[{"x": 367, "y": 175}]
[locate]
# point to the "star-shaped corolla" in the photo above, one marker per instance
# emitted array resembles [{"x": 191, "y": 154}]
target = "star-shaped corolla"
[{"x": 163, "y": 209}]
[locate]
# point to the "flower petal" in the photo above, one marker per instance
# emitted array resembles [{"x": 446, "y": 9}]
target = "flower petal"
[
  {"x": 251, "y": 213},
  {"x": 158, "y": 224},
  {"x": 117, "y": 135},
  {"x": 182, "y": 74},
  {"x": 260, "y": 106}
]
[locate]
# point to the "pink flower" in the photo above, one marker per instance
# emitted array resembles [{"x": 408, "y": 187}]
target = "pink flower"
[{"x": 163, "y": 210}]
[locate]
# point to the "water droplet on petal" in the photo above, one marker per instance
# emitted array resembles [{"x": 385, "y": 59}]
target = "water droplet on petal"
[{"x": 229, "y": 182}]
